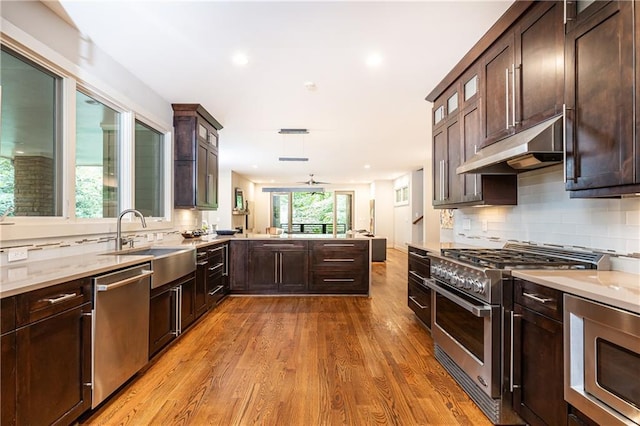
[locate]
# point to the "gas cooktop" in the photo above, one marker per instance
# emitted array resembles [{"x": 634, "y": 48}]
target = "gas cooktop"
[{"x": 515, "y": 256}]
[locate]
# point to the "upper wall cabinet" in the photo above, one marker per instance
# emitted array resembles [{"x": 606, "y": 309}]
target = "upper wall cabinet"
[
  {"x": 523, "y": 73},
  {"x": 195, "y": 157},
  {"x": 600, "y": 79}
]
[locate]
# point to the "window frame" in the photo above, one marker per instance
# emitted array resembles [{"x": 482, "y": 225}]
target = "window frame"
[{"x": 73, "y": 78}]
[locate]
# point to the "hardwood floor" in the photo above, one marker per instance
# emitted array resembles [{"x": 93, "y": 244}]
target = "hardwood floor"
[{"x": 300, "y": 361}]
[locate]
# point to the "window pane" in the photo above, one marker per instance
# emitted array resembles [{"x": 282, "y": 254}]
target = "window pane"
[
  {"x": 312, "y": 213},
  {"x": 97, "y": 149},
  {"x": 344, "y": 216},
  {"x": 149, "y": 171},
  {"x": 280, "y": 213},
  {"x": 29, "y": 152}
]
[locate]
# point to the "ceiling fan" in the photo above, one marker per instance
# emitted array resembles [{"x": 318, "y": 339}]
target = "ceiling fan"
[{"x": 312, "y": 181}]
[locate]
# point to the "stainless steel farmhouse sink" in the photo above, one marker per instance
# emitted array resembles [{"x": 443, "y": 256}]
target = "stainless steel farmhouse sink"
[{"x": 168, "y": 263}]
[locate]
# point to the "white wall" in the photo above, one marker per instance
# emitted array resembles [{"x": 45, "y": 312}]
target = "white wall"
[{"x": 384, "y": 211}]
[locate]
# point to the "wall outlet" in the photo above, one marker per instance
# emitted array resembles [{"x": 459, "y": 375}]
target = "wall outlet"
[
  {"x": 484, "y": 226},
  {"x": 159, "y": 236},
  {"x": 19, "y": 253},
  {"x": 466, "y": 224},
  {"x": 149, "y": 237}
]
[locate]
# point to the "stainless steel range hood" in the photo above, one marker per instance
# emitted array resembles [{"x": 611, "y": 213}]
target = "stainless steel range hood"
[{"x": 530, "y": 149}]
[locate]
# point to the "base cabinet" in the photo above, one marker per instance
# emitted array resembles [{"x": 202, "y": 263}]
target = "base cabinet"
[
  {"x": 171, "y": 310},
  {"x": 278, "y": 267},
  {"x": 218, "y": 274},
  {"x": 46, "y": 361},
  {"x": 538, "y": 395},
  {"x": 419, "y": 296}
]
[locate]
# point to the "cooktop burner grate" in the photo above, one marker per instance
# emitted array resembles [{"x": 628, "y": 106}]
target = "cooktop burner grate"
[{"x": 525, "y": 257}]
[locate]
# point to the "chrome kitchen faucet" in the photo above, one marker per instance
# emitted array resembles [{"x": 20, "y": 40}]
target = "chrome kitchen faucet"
[{"x": 119, "y": 239}]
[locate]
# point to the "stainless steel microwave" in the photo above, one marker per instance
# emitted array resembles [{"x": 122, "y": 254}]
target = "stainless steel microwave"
[{"x": 602, "y": 361}]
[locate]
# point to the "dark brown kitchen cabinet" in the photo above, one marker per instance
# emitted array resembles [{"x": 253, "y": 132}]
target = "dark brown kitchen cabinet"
[
  {"x": 278, "y": 267},
  {"x": 8, "y": 366},
  {"x": 238, "y": 265},
  {"x": 339, "y": 266},
  {"x": 202, "y": 273},
  {"x": 447, "y": 184},
  {"x": 600, "y": 136},
  {"x": 218, "y": 273},
  {"x": 538, "y": 354},
  {"x": 195, "y": 157},
  {"x": 419, "y": 295},
  {"x": 52, "y": 350},
  {"x": 171, "y": 310},
  {"x": 523, "y": 73},
  {"x": 497, "y": 90}
]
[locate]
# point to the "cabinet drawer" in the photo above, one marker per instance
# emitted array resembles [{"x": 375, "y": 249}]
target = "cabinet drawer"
[
  {"x": 279, "y": 245},
  {"x": 339, "y": 282},
  {"x": 419, "y": 262},
  {"x": 215, "y": 254},
  {"x": 7, "y": 314},
  {"x": 344, "y": 260},
  {"x": 39, "y": 304},
  {"x": 545, "y": 300},
  {"x": 340, "y": 245},
  {"x": 419, "y": 300}
]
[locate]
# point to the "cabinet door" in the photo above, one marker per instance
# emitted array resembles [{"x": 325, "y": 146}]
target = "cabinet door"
[
  {"x": 202, "y": 175},
  {"x": 263, "y": 270},
  {"x": 446, "y": 154},
  {"x": 8, "y": 379},
  {"x": 187, "y": 303},
  {"x": 238, "y": 259},
  {"x": 498, "y": 65},
  {"x": 539, "y": 79},
  {"x": 599, "y": 98},
  {"x": 293, "y": 269},
  {"x": 162, "y": 319},
  {"x": 538, "y": 368},
  {"x": 419, "y": 300},
  {"x": 201, "y": 283},
  {"x": 471, "y": 140},
  {"x": 54, "y": 368},
  {"x": 212, "y": 178}
]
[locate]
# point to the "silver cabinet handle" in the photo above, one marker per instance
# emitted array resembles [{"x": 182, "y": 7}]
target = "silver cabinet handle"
[
  {"x": 445, "y": 179},
  {"x": 418, "y": 277},
  {"x": 513, "y": 95},
  {"x": 506, "y": 97},
  {"x": 537, "y": 298},
  {"x": 413, "y": 253},
  {"x": 203, "y": 263},
  {"x": 512, "y": 386},
  {"x": 226, "y": 260},
  {"x": 413, "y": 299},
  {"x": 59, "y": 299},
  {"x": 338, "y": 245},
  {"x": 218, "y": 266},
  {"x": 215, "y": 290},
  {"x": 113, "y": 286},
  {"x": 280, "y": 267},
  {"x": 338, "y": 280},
  {"x": 215, "y": 249},
  {"x": 275, "y": 267},
  {"x": 338, "y": 260}
]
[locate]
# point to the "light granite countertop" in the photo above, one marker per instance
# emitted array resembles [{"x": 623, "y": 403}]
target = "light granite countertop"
[{"x": 619, "y": 289}]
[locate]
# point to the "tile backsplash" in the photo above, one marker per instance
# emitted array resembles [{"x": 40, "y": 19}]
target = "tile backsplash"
[{"x": 546, "y": 215}]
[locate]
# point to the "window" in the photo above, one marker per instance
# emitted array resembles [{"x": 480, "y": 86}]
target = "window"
[
  {"x": 312, "y": 212},
  {"x": 30, "y": 153},
  {"x": 402, "y": 195},
  {"x": 98, "y": 133},
  {"x": 149, "y": 170}
]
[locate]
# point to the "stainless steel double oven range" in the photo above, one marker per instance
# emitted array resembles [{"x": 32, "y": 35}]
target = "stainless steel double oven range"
[{"x": 472, "y": 315}]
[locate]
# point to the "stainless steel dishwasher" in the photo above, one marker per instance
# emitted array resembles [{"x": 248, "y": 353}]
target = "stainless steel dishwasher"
[{"x": 120, "y": 342}]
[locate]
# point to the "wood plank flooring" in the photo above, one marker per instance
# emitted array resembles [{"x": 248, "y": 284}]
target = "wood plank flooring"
[{"x": 300, "y": 361}]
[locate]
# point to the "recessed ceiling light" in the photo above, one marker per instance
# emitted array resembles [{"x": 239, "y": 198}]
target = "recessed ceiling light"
[
  {"x": 367, "y": 166},
  {"x": 374, "y": 60},
  {"x": 240, "y": 59},
  {"x": 255, "y": 166}
]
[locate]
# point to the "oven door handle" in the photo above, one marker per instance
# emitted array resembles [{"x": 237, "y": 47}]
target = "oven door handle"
[{"x": 478, "y": 311}]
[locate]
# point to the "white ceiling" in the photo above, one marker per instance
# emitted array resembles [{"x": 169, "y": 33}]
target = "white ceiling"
[{"x": 357, "y": 116}]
